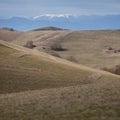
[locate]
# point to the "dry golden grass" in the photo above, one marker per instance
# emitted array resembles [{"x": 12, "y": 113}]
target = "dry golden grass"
[
  {"x": 39, "y": 71},
  {"x": 33, "y": 72},
  {"x": 89, "y": 47},
  {"x": 37, "y": 86},
  {"x": 97, "y": 101}
]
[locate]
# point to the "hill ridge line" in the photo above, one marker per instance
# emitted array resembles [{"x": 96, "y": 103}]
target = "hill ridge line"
[{"x": 54, "y": 59}]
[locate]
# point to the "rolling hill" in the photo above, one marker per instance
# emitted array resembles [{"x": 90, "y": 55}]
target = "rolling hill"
[
  {"x": 89, "y": 48},
  {"x": 36, "y": 85}
]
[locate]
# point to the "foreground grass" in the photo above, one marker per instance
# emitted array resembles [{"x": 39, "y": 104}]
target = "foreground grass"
[
  {"x": 87, "y": 102},
  {"x": 93, "y": 113}
]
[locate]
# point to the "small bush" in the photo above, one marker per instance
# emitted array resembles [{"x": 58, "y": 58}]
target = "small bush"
[
  {"x": 29, "y": 44},
  {"x": 110, "y": 48},
  {"x": 115, "y": 51},
  {"x": 57, "y": 47}
]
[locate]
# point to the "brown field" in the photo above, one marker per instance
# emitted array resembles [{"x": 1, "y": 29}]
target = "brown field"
[{"x": 37, "y": 86}]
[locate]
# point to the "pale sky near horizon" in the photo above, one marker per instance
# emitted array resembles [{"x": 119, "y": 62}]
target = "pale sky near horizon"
[{"x": 30, "y": 8}]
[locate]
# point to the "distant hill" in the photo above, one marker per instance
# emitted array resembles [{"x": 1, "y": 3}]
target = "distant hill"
[
  {"x": 9, "y": 29},
  {"x": 48, "y": 28},
  {"x": 93, "y": 22},
  {"x": 9, "y": 34}
]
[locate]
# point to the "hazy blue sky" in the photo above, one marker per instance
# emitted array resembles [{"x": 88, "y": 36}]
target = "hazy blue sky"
[{"x": 29, "y": 8}]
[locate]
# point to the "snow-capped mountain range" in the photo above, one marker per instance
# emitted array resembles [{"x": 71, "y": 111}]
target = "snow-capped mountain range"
[
  {"x": 54, "y": 16},
  {"x": 66, "y": 21}
]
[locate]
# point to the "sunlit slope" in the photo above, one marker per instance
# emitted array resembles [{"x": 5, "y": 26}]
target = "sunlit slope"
[
  {"x": 21, "y": 71},
  {"x": 24, "y": 69}
]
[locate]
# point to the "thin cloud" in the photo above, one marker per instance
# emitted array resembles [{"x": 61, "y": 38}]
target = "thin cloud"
[{"x": 30, "y": 8}]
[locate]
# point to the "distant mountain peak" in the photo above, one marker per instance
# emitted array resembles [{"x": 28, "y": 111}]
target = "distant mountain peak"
[{"x": 53, "y": 16}]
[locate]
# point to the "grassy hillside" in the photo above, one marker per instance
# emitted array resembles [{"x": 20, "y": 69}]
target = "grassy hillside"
[
  {"x": 21, "y": 71},
  {"x": 89, "y": 48},
  {"x": 35, "y": 85},
  {"x": 21, "y": 67}
]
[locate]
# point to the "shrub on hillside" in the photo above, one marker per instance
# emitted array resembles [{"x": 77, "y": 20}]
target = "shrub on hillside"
[
  {"x": 29, "y": 44},
  {"x": 110, "y": 48},
  {"x": 57, "y": 47},
  {"x": 114, "y": 50},
  {"x": 72, "y": 59},
  {"x": 114, "y": 70}
]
